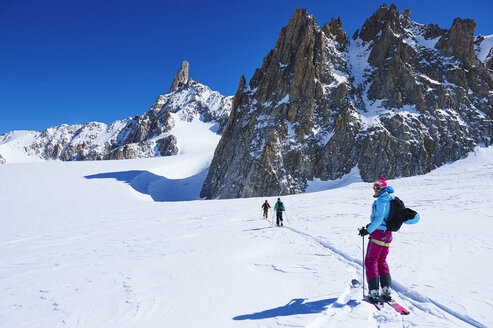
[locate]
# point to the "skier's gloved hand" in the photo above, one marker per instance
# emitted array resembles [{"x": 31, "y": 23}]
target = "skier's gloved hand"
[{"x": 362, "y": 231}]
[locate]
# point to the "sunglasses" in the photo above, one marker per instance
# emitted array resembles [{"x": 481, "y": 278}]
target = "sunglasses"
[{"x": 377, "y": 188}]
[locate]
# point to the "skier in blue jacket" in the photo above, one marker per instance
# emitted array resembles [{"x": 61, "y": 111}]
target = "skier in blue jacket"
[{"x": 377, "y": 269}]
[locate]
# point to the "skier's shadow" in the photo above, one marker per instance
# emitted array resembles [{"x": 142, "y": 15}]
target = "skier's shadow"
[
  {"x": 294, "y": 307},
  {"x": 258, "y": 229}
]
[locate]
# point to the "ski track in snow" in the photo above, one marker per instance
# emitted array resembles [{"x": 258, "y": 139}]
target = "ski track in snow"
[{"x": 345, "y": 299}]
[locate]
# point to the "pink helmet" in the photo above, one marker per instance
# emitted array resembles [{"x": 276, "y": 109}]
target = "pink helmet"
[{"x": 381, "y": 183}]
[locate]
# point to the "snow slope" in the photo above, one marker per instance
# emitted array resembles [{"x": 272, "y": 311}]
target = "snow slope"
[
  {"x": 96, "y": 244},
  {"x": 484, "y": 49}
]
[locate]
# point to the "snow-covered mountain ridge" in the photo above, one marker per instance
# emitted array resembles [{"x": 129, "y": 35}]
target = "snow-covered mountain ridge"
[
  {"x": 398, "y": 99},
  {"x": 188, "y": 103}
]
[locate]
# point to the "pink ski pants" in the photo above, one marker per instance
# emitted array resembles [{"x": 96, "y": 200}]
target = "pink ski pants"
[{"x": 376, "y": 254}]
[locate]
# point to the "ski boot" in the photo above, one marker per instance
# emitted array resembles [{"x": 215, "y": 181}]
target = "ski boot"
[
  {"x": 386, "y": 294},
  {"x": 373, "y": 296}
]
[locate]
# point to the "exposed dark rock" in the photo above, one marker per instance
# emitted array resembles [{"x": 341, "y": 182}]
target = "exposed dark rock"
[
  {"x": 335, "y": 31},
  {"x": 315, "y": 110},
  {"x": 287, "y": 105},
  {"x": 167, "y": 146},
  {"x": 433, "y": 31},
  {"x": 458, "y": 42},
  {"x": 181, "y": 78},
  {"x": 383, "y": 19}
]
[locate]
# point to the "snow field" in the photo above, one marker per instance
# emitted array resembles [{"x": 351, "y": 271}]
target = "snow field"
[{"x": 83, "y": 244}]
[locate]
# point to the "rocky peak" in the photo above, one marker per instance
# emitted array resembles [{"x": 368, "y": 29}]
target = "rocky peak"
[
  {"x": 406, "y": 14},
  {"x": 388, "y": 104},
  {"x": 287, "y": 104},
  {"x": 386, "y": 30},
  {"x": 335, "y": 31},
  {"x": 292, "y": 55},
  {"x": 181, "y": 77},
  {"x": 384, "y": 18},
  {"x": 459, "y": 41},
  {"x": 433, "y": 31},
  {"x": 148, "y": 135},
  {"x": 293, "y": 34},
  {"x": 299, "y": 31}
]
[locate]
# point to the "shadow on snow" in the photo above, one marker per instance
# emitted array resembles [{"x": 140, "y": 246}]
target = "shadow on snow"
[
  {"x": 161, "y": 189},
  {"x": 294, "y": 307}
]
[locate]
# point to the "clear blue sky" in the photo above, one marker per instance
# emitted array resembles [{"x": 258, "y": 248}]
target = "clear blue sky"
[{"x": 74, "y": 61}]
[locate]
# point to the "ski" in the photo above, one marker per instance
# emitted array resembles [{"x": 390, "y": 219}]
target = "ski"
[
  {"x": 356, "y": 284},
  {"x": 378, "y": 305},
  {"x": 398, "y": 307}
]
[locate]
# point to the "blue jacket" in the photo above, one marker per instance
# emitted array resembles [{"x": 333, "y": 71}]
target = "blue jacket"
[{"x": 380, "y": 211}]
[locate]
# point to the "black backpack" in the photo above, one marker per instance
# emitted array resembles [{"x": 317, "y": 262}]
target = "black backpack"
[{"x": 398, "y": 214}]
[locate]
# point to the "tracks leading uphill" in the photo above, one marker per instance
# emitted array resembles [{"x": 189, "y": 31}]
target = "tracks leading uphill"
[{"x": 419, "y": 302}]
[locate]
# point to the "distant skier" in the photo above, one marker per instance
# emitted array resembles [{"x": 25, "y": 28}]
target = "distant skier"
[
  {"x": 377, "y": 269},
  {"x": 279, "y": 208},
  {"x": 266, "y": 207}
]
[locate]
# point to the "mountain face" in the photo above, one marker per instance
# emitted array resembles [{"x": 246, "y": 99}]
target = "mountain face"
[
  {"x": 397, "y": 99},
  {"x": 149, "y": 135}
]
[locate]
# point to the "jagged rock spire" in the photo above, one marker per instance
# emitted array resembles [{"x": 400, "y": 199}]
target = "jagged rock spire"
[
  {"x": 383, "y": 18},
  {"x": 334, "y": 29},
  {"x": 459, "y": 41},
  {"x": 293, "y": 94},
  {"x": 304, "y": 114},
  {"x": 181, "y": 77}
]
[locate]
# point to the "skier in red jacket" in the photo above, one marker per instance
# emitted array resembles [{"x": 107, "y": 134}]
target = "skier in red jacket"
[{"x": 266, "y": 207}]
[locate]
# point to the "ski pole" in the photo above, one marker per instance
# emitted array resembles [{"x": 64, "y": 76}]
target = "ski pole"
[
  {"x": 363, "y": 265},
  {"x": 287, "y": 219}
]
